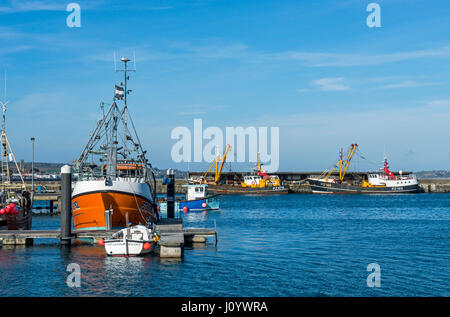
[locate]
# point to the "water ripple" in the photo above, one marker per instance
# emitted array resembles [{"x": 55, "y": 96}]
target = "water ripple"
[{"x": 288, "y": 245}]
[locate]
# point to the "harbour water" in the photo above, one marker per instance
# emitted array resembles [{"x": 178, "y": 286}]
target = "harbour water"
[{"x": 287, "y": 245}]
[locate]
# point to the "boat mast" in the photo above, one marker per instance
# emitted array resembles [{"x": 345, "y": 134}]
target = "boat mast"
[
  {"x": 107, "y": 130},
  {"x": 6, "y": 155},
  {"x": 111, "y": 168},
  {"x": 125, "y": 108},
  {"x": 218, "y": 169},
  {"x": 347, "y": 161},
  {"x": 5, "y": 165},
  {"x": 343, "y": 167},
  {"x": 125, "y": 60}
]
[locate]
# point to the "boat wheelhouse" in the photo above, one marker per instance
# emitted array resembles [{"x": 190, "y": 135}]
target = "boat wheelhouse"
[
  {"x": 197, "y": 199},
  {"x": 261, "y": 179}
]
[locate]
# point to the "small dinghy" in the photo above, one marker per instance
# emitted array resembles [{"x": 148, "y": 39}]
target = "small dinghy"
[{"x": 132, "y": 241}]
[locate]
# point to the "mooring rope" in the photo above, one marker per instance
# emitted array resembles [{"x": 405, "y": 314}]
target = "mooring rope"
[{"x": 137, "y": 204}]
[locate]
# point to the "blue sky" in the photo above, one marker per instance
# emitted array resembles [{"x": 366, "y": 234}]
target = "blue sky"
[{"x": 312, "y": 68}]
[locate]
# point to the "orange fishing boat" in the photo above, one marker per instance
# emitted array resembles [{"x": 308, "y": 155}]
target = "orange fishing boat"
[{"x": 115, "y": 186}]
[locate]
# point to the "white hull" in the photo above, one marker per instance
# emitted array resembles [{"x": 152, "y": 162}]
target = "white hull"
[
  {"x": 120, "y": 247},
  {"x": 322, "y": 186},
  {"x": 136, "y": 240},
  {"x": 121, "y": 185}
]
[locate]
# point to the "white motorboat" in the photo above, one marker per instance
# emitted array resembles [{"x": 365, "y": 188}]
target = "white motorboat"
[{"x": 132, "y": 241}]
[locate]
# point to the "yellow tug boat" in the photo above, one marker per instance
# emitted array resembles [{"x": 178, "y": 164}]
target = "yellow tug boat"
[
  {"x": 259, "y": 184},
  {"x": 261, "y": 179}
]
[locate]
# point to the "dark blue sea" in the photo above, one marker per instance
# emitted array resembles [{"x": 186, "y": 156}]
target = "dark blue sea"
[{"x": 287, "y": 245}]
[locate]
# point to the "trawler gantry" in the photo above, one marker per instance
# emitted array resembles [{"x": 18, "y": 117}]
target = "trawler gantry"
[{"x": 116, "y": 184}]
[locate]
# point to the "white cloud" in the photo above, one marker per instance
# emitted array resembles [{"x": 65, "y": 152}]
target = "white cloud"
[
  {"x": 212, "y": 48},
  {"x": 191, "y": 113},
  {"x": 198, "y": 109},
  {"x": 25, "y": 6},
  {"x": 15, "y": 6},
  {"x": 42, "y": 103},
  {"x": 321, "y": 134},
  {"x": 404, "y": 84},
  {"x": 327, "y": 84},
  {"x": 331, "y": 84},
  {"x": 341, "y": 84},
  {"x": 326, "y": 59},
  {"x": 439, "y": 103}
]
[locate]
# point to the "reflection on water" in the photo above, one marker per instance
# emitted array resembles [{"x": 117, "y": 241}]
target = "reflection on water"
[
  {"x": 167, "y": 262},
  {"x": 199, "y": 217},
  {"x": 291, "y": 245},
  {"x": 196, "y": 246}
]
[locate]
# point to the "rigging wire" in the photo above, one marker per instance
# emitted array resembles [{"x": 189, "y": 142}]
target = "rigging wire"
[{"x": 364, "y": 158}]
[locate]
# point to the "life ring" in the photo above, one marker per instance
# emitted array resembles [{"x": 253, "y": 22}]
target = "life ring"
[{"x": 253, "y": 182}]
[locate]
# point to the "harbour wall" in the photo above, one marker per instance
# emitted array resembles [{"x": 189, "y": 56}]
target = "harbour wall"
[
  {"x": 432, "y": 185},
  {"x": 429, "y": 185},
  {"x": 435, "y": 185},
  {"x": 179, "y": 189}
]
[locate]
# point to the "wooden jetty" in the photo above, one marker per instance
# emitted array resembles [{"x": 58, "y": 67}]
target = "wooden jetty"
[
  {"x": 171, "y": 244},
  {"x": 173, "y": 236}
]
